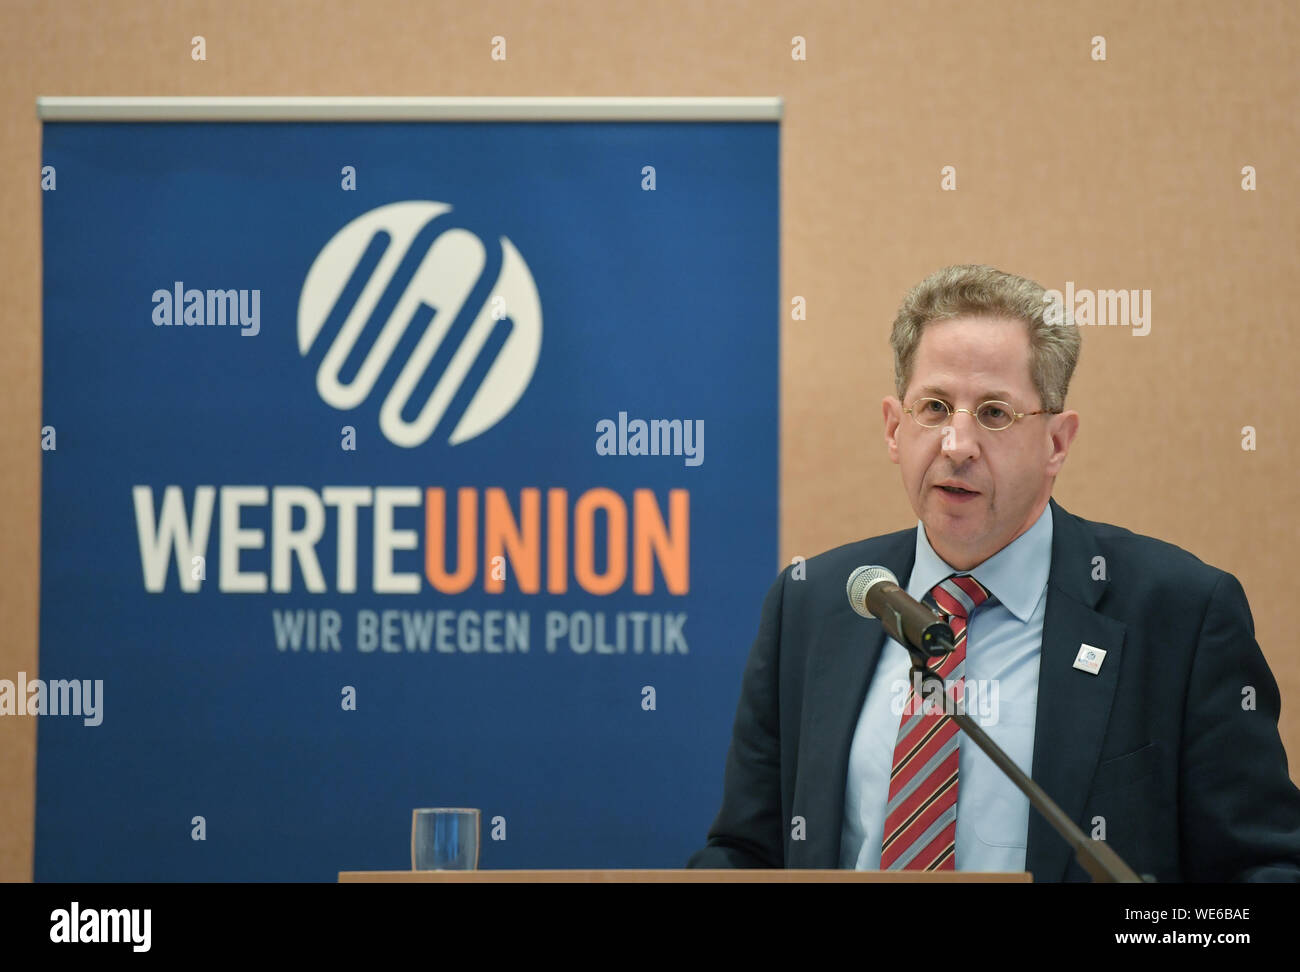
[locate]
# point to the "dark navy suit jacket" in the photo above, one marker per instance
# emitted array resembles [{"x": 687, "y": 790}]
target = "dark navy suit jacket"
[{"x": 1163, "y": 743}]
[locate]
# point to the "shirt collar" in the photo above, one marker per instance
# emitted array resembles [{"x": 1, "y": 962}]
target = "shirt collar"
[{"x": 1016, "y": 575}]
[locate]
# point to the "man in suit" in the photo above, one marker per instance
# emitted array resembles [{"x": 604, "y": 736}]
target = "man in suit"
[{"x": 1120, "y": 671}]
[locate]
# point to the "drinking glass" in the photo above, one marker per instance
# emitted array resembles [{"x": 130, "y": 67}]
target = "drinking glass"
[{"x": 444, "y": 839}]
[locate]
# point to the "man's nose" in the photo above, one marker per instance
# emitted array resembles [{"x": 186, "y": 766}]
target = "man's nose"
[{"x": 960, "y": 438}]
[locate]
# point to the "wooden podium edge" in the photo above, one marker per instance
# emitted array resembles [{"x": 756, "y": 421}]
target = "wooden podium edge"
[{"x": 685, "y": 876}]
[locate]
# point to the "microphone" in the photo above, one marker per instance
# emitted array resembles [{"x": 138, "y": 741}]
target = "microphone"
[{"x": 874, "y": 593}]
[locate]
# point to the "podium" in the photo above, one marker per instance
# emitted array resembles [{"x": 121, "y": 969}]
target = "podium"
[{"x": 686, "y": 876}]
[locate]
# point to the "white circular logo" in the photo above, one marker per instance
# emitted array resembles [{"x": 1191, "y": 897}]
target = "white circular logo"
[{"x": 448, "y": 271}]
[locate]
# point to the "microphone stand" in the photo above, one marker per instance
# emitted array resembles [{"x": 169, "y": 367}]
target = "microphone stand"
[{"x": 1094, "y": 856}]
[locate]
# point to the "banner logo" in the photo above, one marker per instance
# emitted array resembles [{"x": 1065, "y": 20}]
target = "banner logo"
[{"x": 405, "y": 267}]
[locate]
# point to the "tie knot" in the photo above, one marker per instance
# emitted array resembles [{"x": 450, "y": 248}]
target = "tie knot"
[{"x": 959, "y": 595}]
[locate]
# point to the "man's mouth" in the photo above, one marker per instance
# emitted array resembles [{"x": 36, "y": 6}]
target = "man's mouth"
[{"x": 957, "y": 491}]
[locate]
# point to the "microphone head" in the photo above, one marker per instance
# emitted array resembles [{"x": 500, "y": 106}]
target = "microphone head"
[{"x": 862, "y": 580}]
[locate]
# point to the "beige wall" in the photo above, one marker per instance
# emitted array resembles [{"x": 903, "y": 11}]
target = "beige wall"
[{"x": 1116, "y": 174}]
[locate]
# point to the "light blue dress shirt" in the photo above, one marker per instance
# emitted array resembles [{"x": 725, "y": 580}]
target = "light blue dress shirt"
[{"x": 1002, "y": 655}]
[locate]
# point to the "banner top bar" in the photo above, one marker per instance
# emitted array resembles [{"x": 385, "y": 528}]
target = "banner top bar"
[{"x": 131, "y": 109}]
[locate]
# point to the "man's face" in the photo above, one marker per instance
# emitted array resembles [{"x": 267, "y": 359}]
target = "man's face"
[{"x": 965, "y": 361}]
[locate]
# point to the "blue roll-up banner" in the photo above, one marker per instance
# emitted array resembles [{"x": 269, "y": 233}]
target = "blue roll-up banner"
[{"x": 393, "y": 465}]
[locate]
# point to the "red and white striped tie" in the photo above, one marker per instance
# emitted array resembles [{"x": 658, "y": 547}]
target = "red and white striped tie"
[{"x": 921, "y": 818}]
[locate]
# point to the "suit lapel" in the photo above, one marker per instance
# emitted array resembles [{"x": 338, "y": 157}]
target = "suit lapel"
[
  {"x": 1073, "y": 706},
  {"x": 842, "y": 661}
]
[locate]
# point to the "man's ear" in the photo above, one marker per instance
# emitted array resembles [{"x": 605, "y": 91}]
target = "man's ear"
[
  {"x": 1063, "y": 429},
  {"x": 893, "y": 412}
]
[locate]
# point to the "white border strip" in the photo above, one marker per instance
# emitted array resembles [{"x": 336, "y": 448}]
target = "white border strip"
[{"x": 407, "y": 109}]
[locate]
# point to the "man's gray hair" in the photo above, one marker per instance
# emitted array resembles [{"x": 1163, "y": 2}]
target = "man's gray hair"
[{"x": 980, "y": 291}]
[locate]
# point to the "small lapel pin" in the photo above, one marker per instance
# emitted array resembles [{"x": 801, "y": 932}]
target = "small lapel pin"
[{"x": 1089, "y": 659}]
